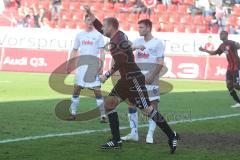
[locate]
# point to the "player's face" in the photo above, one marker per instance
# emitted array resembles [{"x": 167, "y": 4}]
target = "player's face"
[
  {"x": 223, "y": 36},
  {"x": 107, "y": 29},
  {"x": 143, "y": 29},
  {"x": 88, "y": 22}
]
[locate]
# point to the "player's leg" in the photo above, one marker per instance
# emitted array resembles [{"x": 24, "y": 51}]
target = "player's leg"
[
  {"x": 154, "y": 114},
  {"x": 100, "y": 104},
  {"x": 133, "y": 121},
  {"x": 151, "y": 124},
  {"x": 230, "y": 87},
  {"x": 110, "y": 103},
  {"x": 233, "y": 87},
  {"x": 75, "y": 101},
  {"x": 118, "y": 94}
]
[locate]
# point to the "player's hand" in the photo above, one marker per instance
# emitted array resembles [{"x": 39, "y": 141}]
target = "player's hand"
[
  {"x": 141, "y": 47},
  {"x": 149, "y": 79},
  {"x": 102, "y": 78},
  {"x": 202, "y": 49},
  {"x": 87, "y": 9}
]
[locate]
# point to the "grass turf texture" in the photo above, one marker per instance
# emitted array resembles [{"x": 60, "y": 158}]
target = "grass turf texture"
[{"x": 27, "y": 106}]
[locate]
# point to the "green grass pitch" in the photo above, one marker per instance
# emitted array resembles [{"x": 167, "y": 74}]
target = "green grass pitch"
[{"x": 27, "y": 106}]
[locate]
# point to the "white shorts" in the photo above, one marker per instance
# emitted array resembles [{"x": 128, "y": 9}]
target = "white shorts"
[
  {"x": 153, "y": 92},
  {"x": 88, "y": 79}
]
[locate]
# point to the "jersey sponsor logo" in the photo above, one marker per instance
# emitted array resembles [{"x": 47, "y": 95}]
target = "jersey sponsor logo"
[
  {"x": 87, "y": 42},
  {"x": 142, "y": 54}
]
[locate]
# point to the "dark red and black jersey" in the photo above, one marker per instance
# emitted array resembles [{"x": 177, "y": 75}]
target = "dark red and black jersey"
[
  {"x": 230, "y": 48},
  {"x": 122, "y": 53}
]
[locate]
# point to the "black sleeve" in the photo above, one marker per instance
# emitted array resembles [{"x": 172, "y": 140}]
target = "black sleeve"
[
  {"x": 98, "y": 25},
  {"x": 120, "y": 60},
  {"x": 219, "y": 51}
]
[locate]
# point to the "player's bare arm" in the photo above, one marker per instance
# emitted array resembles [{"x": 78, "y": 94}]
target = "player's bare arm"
[
  {"x": 155, "y": 72},
  {"x": 102, "y": 58},
  {"x": 73, "y": 65},
  {"x": 207, "y": 51}
]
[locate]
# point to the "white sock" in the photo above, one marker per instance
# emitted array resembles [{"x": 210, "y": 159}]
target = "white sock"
[
  {"x": 133, "y": 121},
  {"x": 100, "y": 104},
  {"x": 151, "y": 127},
  {"x": 74, "y": 105}
]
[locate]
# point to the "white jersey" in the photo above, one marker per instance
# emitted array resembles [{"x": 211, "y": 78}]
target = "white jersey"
[
  {"x": 154, "y": 50},
  {"x": 147, "y": 59},
  {"x": 89, "y": 43}
]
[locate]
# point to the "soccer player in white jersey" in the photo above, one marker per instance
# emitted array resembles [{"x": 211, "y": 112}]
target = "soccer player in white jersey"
[
  {"x": 89, "y": 43},
  {"x": 150, "y": 59}
]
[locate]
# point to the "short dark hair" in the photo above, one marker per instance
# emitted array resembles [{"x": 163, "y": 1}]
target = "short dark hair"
[
  {"x": 113, "y": 21},
  {"x": 225, "y": 32},
  {"x": 146, "y": 22}
]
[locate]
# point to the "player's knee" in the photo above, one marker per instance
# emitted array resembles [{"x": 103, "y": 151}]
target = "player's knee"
[
  {"x": 230, "y": 87},
  {"x": 110, "y": 103},
  {"x": 77, "y": 90}
]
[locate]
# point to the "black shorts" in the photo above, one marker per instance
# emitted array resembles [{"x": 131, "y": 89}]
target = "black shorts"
[
  {"x": 134, "y": 90},
  {"x": 233, "y": 77}
]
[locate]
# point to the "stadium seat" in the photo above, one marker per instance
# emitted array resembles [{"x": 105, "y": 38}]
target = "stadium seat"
[
  {"x": 80, "y": 25},
  {"x": 202, "y": 29},
  {"x": 174, "y": 18},
  {"x": 78, "y": 16},
  {"x": 125, "y": 27},
  {"x": 179, "y": 28},
  {"x": 44, "y": 4},
  {"x": 65, "y": 5},
  {"x": 189, "y": 2},
  {"x": 232, "y": 20},
  {"x": 66, "y": 15},
  {"x": 208, "y": 19},
  {"x": 166, "y": 27},
  {"x": 172, "y": 9},
  {"x": 160, "y": 8},
  {"x": 187, "y": 19},
  {"x": 198, "y": 19},
  {"x": 62, "y": 24},
  {"x": 53, "y": 24},
  {"x": 71, "y": 25},
  {"x": 132, "y": 17},
  {"x": 154, "y": 18},
  {"x": 182, "y": 9},
  {"x": 164, "y": 18},
  {"x": 190, "y": 29},
  {"x": 236, "y": 11},
  {"x": 74, "y": 6},
  {"x": 122, "y": 17},
  {"x": 97, "y": 6}
]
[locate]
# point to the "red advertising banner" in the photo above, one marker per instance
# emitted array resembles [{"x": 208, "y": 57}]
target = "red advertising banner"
[
  {"x": 30, "y": 60},
  {"x": 182, "y": 67}
]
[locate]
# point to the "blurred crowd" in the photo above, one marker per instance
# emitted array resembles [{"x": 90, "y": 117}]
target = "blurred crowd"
[{"x": 218, "y": 10}]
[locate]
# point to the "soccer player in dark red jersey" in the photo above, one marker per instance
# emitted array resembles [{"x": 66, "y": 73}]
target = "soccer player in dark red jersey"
[
  {"x": 233, "y": 71},
  {"x": 131, "y": 85}
]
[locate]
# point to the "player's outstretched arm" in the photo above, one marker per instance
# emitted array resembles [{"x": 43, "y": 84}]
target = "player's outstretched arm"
[{"x": 207, "y": 51}]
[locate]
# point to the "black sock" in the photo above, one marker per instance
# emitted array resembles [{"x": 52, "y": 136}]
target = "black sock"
[
  {"x": 162, "y": 123},
  {"x": 114, "y": 125},
  {"x": 233, "y": 93}
]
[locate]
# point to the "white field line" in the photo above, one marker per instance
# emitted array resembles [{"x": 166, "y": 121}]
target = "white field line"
[{"x": 107, "y": 129}]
